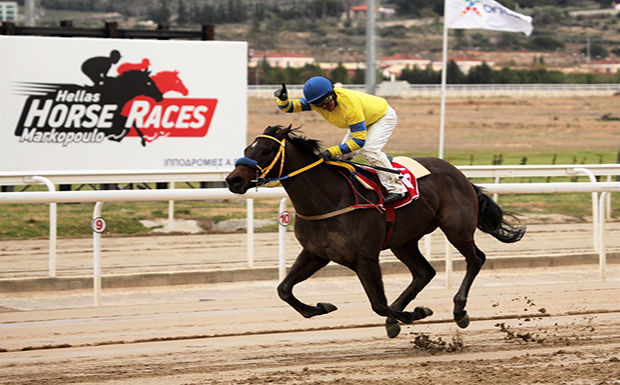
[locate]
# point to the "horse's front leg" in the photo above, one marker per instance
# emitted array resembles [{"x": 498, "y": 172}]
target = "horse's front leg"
[
  {"x": 305, "y": 265},
  {"x": 369, "y": 273},
  {"x": 422, "y": 273}
]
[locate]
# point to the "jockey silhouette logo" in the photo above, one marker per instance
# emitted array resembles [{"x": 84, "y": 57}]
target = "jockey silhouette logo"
[
  {"x": 96, "y": 68},
  {"x": 131, "y": 104}
]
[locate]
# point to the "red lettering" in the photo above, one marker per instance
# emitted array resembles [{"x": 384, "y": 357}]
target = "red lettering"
[{"x": 170, "y": 117}]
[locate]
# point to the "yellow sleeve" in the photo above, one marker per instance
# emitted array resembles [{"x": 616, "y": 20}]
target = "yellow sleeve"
[{"x": 293, "y": 105}]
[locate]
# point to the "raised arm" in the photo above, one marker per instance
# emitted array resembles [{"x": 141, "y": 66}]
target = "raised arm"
[{"x": 290, "y": 105}]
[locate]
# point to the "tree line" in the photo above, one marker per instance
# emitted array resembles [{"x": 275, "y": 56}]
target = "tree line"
[
  {"x": 484, "y": 74},
  {"x": 263, "y": 73}
]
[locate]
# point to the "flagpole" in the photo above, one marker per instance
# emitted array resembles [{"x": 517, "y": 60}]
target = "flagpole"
[
  {"x": 444, "y": 75},
  {"x": 488, "y": 14}
]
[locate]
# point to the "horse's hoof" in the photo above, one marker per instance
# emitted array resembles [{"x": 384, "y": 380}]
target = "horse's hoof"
[
  {"x": 326, "y": 307},
  {"x": 392, "y": 327},
  {"x": 423, "y": 312},
  {"x": 463, "y": 322}
]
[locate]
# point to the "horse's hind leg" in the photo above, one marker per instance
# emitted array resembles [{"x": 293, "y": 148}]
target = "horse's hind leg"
[
  {"x": 474, "y": 259},
  {"x": 422, "y": 273},
  {"x": 305, "y": 265}
]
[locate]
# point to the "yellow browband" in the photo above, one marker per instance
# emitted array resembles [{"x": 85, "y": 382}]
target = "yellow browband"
[{"x": 280, "y": 156}]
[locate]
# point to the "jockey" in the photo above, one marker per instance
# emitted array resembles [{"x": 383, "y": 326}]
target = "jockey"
[{"x": 369, "y": 119}]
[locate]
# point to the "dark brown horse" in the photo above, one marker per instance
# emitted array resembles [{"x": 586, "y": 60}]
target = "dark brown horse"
[{"x": 354, "y": 238}]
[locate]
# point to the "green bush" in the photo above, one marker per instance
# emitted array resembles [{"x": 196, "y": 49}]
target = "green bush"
[{"x": 543, "y": 43}]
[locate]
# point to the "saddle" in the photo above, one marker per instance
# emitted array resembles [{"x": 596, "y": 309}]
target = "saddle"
[{"x": 411, "y": 170}]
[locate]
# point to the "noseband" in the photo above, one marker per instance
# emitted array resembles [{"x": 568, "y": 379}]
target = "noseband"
[{"x": 280, "y": 155}]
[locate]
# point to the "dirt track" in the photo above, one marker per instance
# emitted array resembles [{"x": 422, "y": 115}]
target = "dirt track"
[
  {"x": 548, "y": 326},
  {"x": 552, "y": 333}
]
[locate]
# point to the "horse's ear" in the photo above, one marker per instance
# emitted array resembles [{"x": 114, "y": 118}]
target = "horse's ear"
[{"x": 283, "y": 133}]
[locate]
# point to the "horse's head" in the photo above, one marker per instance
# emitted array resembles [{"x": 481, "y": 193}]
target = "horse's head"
[
  {"x": 136, "y": 83},
  {"x": 260, "y": 160},
  {"x": 169, "y": 81}
]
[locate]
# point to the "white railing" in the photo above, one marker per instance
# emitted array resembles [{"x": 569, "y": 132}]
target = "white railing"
[
  {"x": 99, "y": 197},
  {"x": 516, "y": 171},
  {"x": 487, "y": 90},
  {"x": 466, "y": 90},
  {"x": 496, "y": 172},
  {"x": 134, "y": 176},
  {"x": 590, "y": 171}
]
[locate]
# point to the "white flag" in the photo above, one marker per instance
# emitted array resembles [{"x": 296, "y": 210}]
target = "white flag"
[{"x": 485, "y": 14}]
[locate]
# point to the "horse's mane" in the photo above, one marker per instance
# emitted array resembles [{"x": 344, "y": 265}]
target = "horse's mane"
[
  {"x": 309, "y": 147},
  {"x": 133, "y": 74}
]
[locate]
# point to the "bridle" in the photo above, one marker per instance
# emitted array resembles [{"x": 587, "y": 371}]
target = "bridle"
[{"x": 280, "y": 155}]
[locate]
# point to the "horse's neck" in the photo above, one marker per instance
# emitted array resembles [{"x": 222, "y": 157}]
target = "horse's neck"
[
  {"x": 314, "y": 191},
  {"x": 120, "y": 92}
]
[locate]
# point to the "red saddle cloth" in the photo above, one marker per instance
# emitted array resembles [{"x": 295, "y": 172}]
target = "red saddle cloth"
[
  {"x": 410, "y": 182},
  {"x": 407, "y": 179}
]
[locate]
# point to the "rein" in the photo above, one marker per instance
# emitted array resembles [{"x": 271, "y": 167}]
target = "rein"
[
  {"x": 356, "y": 206},
  {"x": 280, "y": 156}
]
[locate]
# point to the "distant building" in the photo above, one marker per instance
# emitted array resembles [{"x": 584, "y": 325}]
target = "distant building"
[
  {"x": 611, "y": 11},
  {"x": 8, "y": 11},
  {"x": 351, "y": 67},
  {"x": 392, "y": 66},
  {"x": 603, "y": 66},
  {"x": 281, "y": 59},
  {"x": 360, "y": 11}
]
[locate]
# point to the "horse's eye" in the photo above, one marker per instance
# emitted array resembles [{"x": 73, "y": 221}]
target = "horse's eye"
[{"x": 266, "y": 152}]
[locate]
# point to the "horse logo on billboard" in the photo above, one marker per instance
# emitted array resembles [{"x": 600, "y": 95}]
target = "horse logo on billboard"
[{"x": 130, "y": 104}]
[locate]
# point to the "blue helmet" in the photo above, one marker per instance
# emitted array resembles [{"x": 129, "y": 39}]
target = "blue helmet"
[{"x": 316, "y": 88}]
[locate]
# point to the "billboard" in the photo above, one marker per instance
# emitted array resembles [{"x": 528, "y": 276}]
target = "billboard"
[{"x": 77, "y": 104}]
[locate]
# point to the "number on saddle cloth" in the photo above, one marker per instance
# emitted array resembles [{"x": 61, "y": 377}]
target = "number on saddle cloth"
[{"x": 410, "y": 170}]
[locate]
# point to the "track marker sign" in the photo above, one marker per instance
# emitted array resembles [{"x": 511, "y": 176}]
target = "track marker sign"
[
  {"x": 284, "y": 218},
  {"x": 99, "y": 225}
]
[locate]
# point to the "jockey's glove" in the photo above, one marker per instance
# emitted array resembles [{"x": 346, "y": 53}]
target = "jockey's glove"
[
  {"x": 326, "y": 155},
  {"x": 281, "y": 93}
]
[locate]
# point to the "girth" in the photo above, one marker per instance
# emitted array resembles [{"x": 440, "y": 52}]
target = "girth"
[{"x": 389, "y": 211}]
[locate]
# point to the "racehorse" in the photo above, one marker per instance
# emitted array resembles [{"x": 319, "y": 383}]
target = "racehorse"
[{"x": 354, "y": 238}]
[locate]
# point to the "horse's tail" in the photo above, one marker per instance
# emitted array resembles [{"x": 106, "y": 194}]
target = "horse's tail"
[{"x": 491, "y": 219}]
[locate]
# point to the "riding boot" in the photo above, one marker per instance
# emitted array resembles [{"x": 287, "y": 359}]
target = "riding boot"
[{"x": 395, "y": 188}]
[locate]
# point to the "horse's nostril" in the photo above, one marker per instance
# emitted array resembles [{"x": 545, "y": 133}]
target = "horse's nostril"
[{"x": 235, "y": 181}]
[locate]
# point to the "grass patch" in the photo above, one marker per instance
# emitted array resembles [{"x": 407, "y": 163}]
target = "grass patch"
[
  {"x": 520, "y": 158},
  {"x": 20, "y": 221}
]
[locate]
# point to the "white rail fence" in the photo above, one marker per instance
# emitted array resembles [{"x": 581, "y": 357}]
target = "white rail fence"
[
  {"x": 592, "y": 171},
  {"x": 99, "y": 197},
  {"x": 403, "y": 89}
]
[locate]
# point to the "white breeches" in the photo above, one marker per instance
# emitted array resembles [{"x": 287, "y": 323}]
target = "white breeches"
[{"x": 377, "y": 136}]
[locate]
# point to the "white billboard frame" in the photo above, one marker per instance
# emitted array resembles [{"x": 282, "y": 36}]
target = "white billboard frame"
[{"x": 69, "y": 105}]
